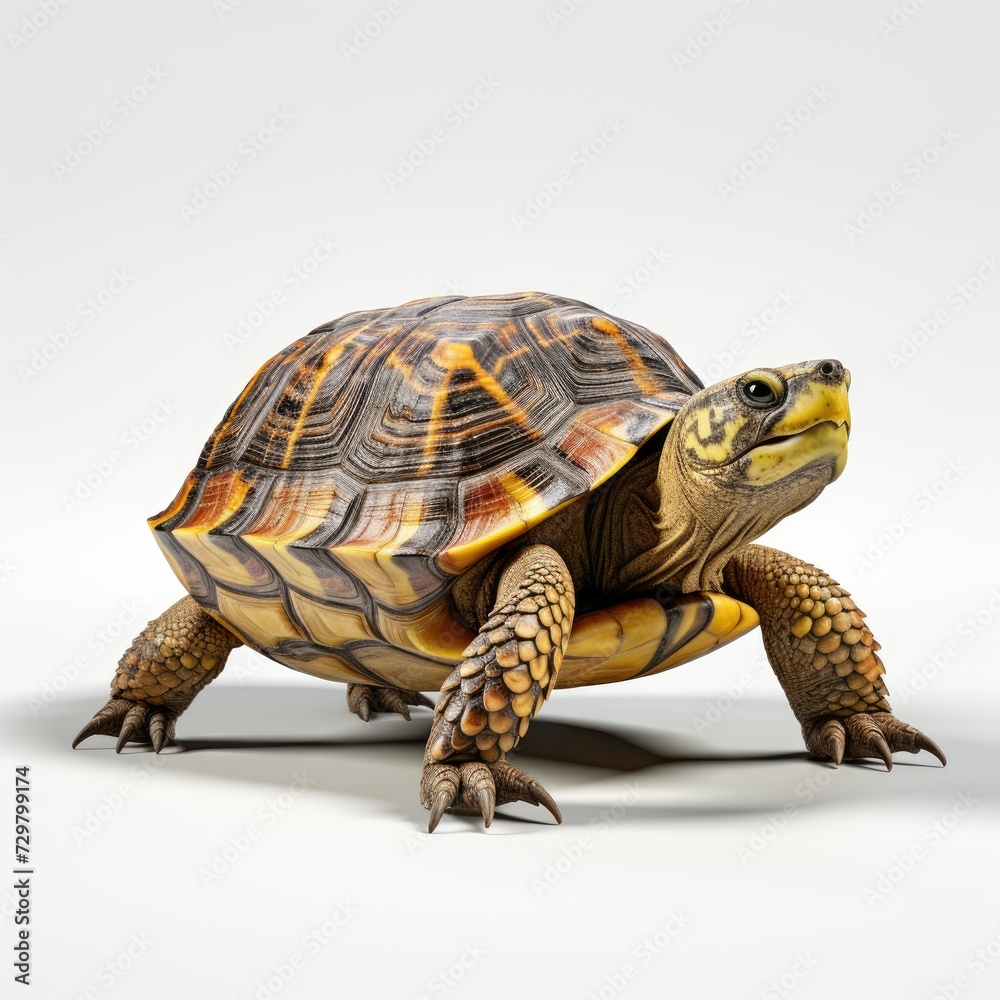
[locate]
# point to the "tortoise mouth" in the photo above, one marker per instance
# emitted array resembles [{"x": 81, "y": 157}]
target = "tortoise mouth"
[
  {"x": 779, "y": 439},
  {"x": 783, "y": 455}
]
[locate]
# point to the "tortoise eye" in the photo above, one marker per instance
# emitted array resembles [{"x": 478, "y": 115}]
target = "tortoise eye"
[{"x": 758, "y": 393}]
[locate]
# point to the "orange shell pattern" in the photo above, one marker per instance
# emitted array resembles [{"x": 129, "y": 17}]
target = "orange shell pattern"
[{"x": 369, "y": 463}]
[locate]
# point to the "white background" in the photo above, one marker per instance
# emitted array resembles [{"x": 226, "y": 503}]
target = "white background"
[{"x": 679, "y": 799}]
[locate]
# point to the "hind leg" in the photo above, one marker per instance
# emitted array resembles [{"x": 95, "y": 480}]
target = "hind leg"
[
  {"x": 364, "y": 700},
  {"x": 169, "y": 662}
]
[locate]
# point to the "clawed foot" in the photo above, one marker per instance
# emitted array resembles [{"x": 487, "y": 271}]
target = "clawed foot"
[
  {"x": 866, "y": 734},
  {"x": 364, "y": 700},
  {"x": 135, "y": 721},
  {"x": 480, "y": 787}
]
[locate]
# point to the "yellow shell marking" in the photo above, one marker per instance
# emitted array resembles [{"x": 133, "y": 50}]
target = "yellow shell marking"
[
  {"x": 204, "y": 548},
  {"x": 262, "y": 621},
  {"x": 327, "y": 624},
  {"x": 330, "y": 358},
  {"x": 618, "y": 642}
]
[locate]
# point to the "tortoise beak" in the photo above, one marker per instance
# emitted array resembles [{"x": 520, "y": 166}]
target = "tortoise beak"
[{"x": 815, "y": 424}]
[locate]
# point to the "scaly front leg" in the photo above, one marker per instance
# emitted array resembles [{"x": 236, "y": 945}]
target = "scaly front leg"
[
  {"x": 824, "y": 656},
  {"x": 487, "y": 702}
]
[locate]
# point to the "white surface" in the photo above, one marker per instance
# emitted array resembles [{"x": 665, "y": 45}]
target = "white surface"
[{"x": 78, "y": 580}]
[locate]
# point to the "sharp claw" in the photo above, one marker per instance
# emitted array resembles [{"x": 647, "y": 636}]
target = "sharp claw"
[
  {"x": 542, "y": 798},
  {"x": 830, "y": 740},
  {"x": 422, "y": 699},
  {"x": 882, "y": 749},
  {"x": 486, "y": 800},
  {"x": 364, "y": 710},
  {"x": 123, "y": 738},
  {"x": 437, "y": 810},
  {"x": 157, "y": 732},
  {"x": 92, "y": 728},
  {"x": 403, "y": 711},
  {"x": 926, "y": 743}
]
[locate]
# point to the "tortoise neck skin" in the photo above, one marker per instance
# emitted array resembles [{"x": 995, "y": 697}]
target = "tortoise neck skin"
[{"x": 739, "y": 456}]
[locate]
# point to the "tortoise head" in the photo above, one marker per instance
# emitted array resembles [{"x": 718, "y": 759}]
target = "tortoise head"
[
  {"x": 772, "y": 435},
  {"x": 741, "y": 455}
]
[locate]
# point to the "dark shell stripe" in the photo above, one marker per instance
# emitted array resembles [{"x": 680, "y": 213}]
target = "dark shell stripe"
[{"x": 368, "y": 463}]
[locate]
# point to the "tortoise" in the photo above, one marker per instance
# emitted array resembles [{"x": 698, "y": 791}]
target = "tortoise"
[{"x": 489, "y": 496}]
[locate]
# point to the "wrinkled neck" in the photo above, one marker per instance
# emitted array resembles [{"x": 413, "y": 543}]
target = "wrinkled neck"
[{"x": 696, "y": 527}]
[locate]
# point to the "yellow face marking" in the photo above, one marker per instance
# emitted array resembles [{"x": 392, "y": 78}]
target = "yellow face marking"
[
  {"x": 771, "y": 462},
  {"x": 709, "y": 419}
]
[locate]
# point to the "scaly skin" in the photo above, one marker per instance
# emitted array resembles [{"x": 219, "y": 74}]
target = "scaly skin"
[
  {"x": 824, "y": 656},
  {"x": 488, "y": 701},
  {"x": 169, "y": 662}
]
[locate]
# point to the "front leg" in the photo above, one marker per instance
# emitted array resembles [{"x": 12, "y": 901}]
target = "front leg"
[
  {"x": 824, "y": 656},
  {"x": 487, "y": 702}
]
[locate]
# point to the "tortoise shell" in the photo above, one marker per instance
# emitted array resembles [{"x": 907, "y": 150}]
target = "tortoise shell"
[{"x": 368, "y": 464}]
